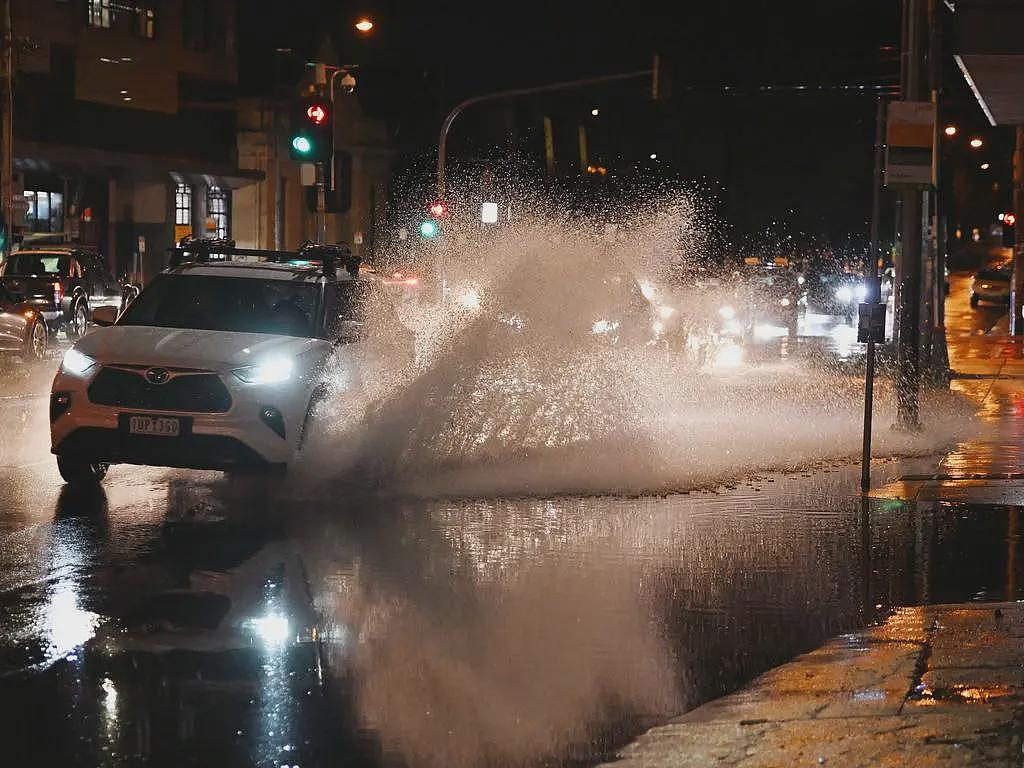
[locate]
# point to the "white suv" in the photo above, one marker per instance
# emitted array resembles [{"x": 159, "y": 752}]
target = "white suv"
[{"x": 219, "y": 362}]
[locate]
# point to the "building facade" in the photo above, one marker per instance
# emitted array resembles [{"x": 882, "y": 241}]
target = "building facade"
[
  {"x": 277, "y": 211},
  {"x": 125, "y": 124}
]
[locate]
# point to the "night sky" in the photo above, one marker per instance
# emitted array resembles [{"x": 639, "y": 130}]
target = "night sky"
[{"x": 802, "y": 161}]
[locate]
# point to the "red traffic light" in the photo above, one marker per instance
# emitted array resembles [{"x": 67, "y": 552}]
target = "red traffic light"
[
  {"x": 438, "y": 209},
  {"x": 317, "y": 113},
  {"x": 1010, "y": 219}
]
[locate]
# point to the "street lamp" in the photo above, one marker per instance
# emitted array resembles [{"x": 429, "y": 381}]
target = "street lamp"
[
  {"x": 364, "y": 25},
  {"x": 595, "y": 111},
  {"x": 950, "y": 130},
  {"x": 985, "y": 166},
  {"x": 977, "y": 143}
]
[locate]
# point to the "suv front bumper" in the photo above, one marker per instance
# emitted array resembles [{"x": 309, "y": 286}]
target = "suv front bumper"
[{"x": 241, "y": 436}]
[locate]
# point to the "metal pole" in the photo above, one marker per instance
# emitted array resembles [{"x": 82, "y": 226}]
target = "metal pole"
[
  {"x": 1017, "y": 283},
  {"x": 442, "y": 141},
  {"x": 908, "y": 348},
  {"x": 7, "y": 125},
  {"x": 869, "y": 369},
  {"x": 321, "y": 205}
]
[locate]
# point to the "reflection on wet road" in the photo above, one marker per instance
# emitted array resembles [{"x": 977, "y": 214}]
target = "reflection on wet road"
[{"x": 177, "y": 618}]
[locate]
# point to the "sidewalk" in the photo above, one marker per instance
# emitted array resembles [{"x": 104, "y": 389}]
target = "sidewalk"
[
  {"x": 932, "y": 685},
  {"x": 939, "y": 685}
]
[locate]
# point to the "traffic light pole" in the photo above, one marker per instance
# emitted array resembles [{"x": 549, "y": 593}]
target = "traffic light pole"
[
  {"x": 321, "y": 205},
  {"x": 442, "y": 142}
]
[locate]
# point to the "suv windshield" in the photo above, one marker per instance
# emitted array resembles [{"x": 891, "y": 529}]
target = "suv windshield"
[
  {"x": 239, "y": 304},
  {"x": 35, "y": 263}
]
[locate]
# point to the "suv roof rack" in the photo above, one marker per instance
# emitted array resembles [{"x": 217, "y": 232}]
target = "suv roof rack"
[{"x": 330, "y": 257}]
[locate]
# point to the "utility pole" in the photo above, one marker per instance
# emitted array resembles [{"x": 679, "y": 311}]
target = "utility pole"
[
  {"x": 1017, "y": 281},
  {"x": 7, "y": 123},
  {"x": 908, "y": 360}
]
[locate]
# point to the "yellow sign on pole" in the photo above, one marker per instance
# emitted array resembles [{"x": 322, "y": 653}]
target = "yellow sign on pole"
[{"x": 182, "y": 231}]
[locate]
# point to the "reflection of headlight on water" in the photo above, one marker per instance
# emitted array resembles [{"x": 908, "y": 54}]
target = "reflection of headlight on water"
[
  {"x": 272, "y": 629},
  {"x": 728, "y": 356},
  {"x": 658, "y": 327},
  {"x": 647, "y": 290},
  {"x": 469, "y": 300},
  {"x": 727, "y": 312},
  {"x": 800, "y": 280},
  {"x": 604, "y": 326},
  {"x": 844, "y": 293},
  {"x": 665, "y": 312}
]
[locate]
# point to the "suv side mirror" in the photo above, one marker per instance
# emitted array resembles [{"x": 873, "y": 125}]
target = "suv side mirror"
[{"x": 104, "y": 316}]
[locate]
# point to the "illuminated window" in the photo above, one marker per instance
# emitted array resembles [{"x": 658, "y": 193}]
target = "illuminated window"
[
  {"x": 45, "y": 211},
  {"x": 183, "y": 204},
  {"x": 145, "y": 19},
  {"x": 100, "y": 13},
  {"x": 217, "y": 200}
]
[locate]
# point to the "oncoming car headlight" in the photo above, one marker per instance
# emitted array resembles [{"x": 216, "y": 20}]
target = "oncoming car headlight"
[
  {"x": 727, "y": 312},
  {"x": 844, "y": 293},
  {"x": 784, "y": 301},
  {"x": 76, "y": 363},
  {"x": 271, "y": 371}
]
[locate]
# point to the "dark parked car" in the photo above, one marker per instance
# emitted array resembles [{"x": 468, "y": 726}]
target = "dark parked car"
[
  {"x": 992, "y": 285},
  {"x": 22, "y": 329},
  {"x": 63, "y": 283}
]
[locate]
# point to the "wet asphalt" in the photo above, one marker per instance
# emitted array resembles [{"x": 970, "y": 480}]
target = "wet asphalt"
[{"x": 182, "y": 618}]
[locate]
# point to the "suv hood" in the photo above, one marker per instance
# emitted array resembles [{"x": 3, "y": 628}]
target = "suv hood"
[{"x": 188, "y": 348}]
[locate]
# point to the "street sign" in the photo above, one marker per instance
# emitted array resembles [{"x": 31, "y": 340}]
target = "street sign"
[
  {"x": 910, "y": 144},
  {"x": 307, "y": 175},
  {"x": 871, "y": 323}
]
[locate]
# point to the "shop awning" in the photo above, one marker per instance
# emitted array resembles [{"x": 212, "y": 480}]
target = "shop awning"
[
  {"x": 989, "y": 49},
  {"x": 66, "y": 160}
]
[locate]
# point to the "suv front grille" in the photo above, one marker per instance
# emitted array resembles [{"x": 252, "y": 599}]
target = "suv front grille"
[{"x": 192, "y": 392}]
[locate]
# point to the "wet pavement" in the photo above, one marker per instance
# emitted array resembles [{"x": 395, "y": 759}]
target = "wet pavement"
[{"x": 179, "y": 618}]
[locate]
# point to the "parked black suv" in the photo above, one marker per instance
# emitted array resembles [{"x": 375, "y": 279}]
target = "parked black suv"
[{"x": 61, "y": 282}]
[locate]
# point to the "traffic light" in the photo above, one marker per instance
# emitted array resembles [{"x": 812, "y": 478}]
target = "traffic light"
[
  {"x": 312, "y": 132},
  {"x": 429, "y": 229},
  {"x": 339, "y": 198},
  {"x": 438, "y": 209},
  {"x": 1009, "y": 230}
]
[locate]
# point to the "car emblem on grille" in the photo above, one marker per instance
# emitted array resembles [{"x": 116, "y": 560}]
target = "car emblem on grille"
[{"x": 157, "y": 375}]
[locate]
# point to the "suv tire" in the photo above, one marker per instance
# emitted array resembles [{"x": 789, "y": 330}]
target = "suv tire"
[
  {"x": 38, "y": 340},
  {"x": 78, "y": 323},
  {"x": 76, "y": 471}
]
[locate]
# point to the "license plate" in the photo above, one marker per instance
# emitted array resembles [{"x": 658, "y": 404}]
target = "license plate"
[{"x": 160, "y": 426}]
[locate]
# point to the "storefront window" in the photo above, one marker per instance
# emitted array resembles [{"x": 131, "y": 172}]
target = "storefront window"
[
  {"x": 100, "y": 13},
  {"x": 182, "y": 205},
  {"x": 217, "y": 200},
  {"x": 45, "y": 211},
  {"x": 145, "y": 19}
]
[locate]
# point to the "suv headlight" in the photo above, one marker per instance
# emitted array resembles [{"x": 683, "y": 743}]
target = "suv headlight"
[
  {"x": 271, "y": 371},
  {"x": 76, "y": 363}
]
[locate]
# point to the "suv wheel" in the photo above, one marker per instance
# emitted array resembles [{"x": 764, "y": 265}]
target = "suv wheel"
[
  {"x": 35, "y": 345},
  {"x": 79, "y": 320},
  {"x": 77, "y": 471}
]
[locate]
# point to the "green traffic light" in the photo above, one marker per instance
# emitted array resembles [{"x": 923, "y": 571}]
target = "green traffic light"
[
  {"x": 302, "y": 145},
  {"x": 428, "y": 228}
]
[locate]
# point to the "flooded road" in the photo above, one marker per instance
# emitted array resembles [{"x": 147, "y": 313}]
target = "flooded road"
[{"x": 178, "y": 618}]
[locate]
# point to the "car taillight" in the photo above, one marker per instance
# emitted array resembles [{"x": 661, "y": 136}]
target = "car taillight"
[{"x": 58, "y": 293}]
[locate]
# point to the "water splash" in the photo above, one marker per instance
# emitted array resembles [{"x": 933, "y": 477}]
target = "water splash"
[{"x": 543, "y": 372}]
